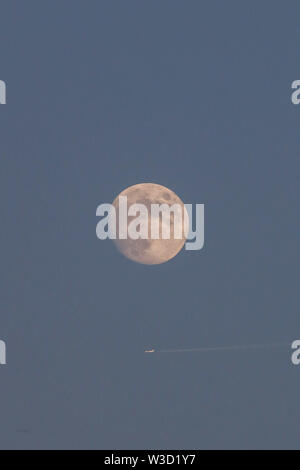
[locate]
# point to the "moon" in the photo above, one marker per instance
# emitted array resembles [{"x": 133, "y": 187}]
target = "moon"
[{"x": 151, "y": 251}]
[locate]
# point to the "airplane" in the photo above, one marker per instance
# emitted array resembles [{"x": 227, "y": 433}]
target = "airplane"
[{"x": 149, "y": 351}]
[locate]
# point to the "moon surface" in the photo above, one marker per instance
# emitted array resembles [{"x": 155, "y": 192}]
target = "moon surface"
[{"x": 151, "y": 251}]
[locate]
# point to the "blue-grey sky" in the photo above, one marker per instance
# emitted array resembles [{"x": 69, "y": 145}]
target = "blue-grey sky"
[{"x": 192, "y": 95}]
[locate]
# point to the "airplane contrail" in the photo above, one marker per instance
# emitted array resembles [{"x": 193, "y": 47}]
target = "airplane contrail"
[{"x": 220, "y": 348}]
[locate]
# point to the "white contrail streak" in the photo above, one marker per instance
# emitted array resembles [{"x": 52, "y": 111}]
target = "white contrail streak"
[{"x": 224, "y": 348}]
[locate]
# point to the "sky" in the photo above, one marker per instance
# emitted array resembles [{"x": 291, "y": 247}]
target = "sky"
[{"x": 191, "y": 95}]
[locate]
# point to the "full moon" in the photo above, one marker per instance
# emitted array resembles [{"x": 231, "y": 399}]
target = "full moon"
[{"x": 151, "y": 251}]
